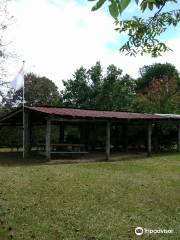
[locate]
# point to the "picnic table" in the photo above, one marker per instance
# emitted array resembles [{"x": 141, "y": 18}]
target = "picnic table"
[{"x": 64, "y": 148}]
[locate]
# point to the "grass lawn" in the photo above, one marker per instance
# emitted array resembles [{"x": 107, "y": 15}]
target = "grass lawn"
[{"x": 90, "y": 201}]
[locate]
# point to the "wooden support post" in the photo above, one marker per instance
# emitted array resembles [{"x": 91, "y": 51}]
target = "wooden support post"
[
  {"x": 116, "y": 136},
  {"x": 108, "y": 137},
  {"x": 149, "y": 139},
  {"x": 61, "y": 133},
  {"x": 94, "y": 138},
  {"x": 178, "y": 141},
  {"x": 125, "y": 137},
  {"x": 156, "y": 139},
  {"x": 86, "y": 136},
  {"x": 48, "y": 139},
  {"x": 27, "y": 133},
  {"x": 82, "y": 133}
]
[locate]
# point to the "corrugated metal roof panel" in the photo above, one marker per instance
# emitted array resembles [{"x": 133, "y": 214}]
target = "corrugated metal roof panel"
[{"x": 68, "y": 112}]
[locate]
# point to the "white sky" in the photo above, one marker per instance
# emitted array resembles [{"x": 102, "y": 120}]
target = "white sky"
[{"x": 56, "y": 39}]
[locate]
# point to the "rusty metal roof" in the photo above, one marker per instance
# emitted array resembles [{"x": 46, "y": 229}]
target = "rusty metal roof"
[{"x": 81, "y": 113}]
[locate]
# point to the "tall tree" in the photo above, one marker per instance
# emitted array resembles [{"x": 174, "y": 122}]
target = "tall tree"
[
  {"x": 5, "y": 21},
  {"x": 124, "y": 94},
  {"x": 117, "y": 91},
  {"x": 39, "y": 91},
  {"x": 157, "y": 71},
  {"x": 113, "y": 75},
  {"x": 91, "y": 89},
  {"x": 143, "y": 32},
  {"x": 76, "y": 91},
  {"x": 158, "y": 87},
  {"x": 95, "y": 77}
]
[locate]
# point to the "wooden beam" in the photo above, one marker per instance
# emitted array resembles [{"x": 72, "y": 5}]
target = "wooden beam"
[
  {"x": 108, "y": 136},
  {"x": 78, "y": 120},
  {"x": 149, "y": 139},
  {"x": 91, "y": 120},
  {"x": 178, "y": 140},
  {"x": 10, "y": 124},
  {"x": 48, "y": 139},
  {"x": 11, "y": 114},
  {"x": 27, "y": 133}
]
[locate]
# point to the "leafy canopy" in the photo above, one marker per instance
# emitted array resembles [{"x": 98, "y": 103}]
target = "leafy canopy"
[
  {"x": 158, "y": 88},
  {"x": 143, "y": 33},
  {"x": 39, "y": 91},
  {"x": 91, "y": 89},
  {"x": 5, "y": 21}
]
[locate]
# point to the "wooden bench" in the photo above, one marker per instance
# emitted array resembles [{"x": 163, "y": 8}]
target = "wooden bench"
[
  {"x": 75, "y": 148},
  {"x": 11, "y": 147},
  {"x": 69, "y": 152}
]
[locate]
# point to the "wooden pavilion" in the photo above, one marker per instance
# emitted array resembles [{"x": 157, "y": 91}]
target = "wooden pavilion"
[{"x": 48, "y": 116}]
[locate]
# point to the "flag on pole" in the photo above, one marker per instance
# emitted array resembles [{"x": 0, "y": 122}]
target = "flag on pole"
[{"x": 18, "y": 82}]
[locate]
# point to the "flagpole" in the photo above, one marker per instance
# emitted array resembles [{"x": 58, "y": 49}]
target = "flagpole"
[
  {"x": 17, "y": 84},
  {"x": 23, "y": 103}
]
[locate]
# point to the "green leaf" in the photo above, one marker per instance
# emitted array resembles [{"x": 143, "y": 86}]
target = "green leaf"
[
  {"x": 124, "y": 4},
  {"x": 143, "y": 5},
  {"x": 150, "y": 1},
  {"x": 113, "y": 9},
  {"x": 150, "y": 5},
  {"x": 98, "y": 5}
]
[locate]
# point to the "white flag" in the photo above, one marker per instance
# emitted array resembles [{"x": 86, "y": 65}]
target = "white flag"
[{"x": 18, "y": 81}]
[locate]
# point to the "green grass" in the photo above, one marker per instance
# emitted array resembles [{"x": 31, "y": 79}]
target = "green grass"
[{"x": 90, "y": 201}]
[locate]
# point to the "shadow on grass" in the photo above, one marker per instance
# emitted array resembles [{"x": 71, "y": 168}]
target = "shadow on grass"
[{"x": 16, "y": 159}]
